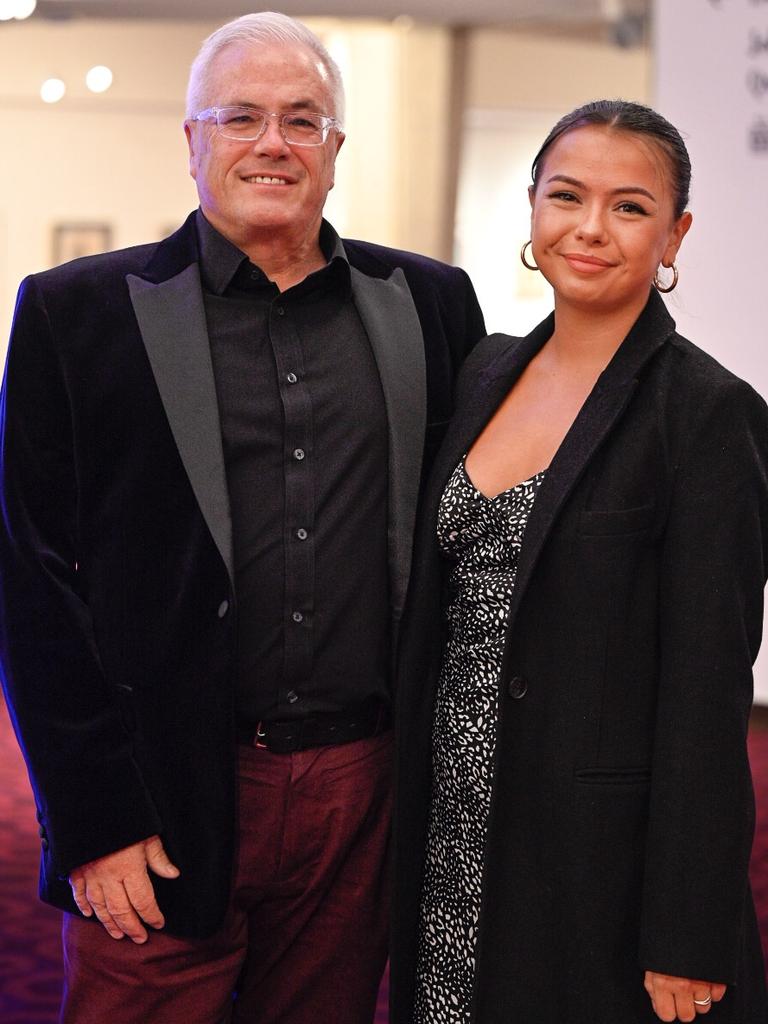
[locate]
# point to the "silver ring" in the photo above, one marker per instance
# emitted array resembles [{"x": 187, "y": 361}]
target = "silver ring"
[{"x": 703, "y": 1002}]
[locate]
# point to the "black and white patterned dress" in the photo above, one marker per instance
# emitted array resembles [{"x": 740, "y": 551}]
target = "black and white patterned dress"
[{"x": 482, "y": 536}]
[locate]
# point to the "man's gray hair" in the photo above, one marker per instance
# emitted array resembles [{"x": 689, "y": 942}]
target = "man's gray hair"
[{"x": 260, "y": 29}]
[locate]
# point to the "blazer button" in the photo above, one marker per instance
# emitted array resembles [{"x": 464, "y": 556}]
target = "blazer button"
[
  {"x": 518, "y": 687},
  {"x": 223, "y": 609},
  {"x": 44, "y": 843}
]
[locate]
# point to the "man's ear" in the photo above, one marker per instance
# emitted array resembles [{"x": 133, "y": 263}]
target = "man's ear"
[{"x": 191, "y": 146}]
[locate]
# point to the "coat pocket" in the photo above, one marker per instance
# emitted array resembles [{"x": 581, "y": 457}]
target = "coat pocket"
[
  {"x": 614, "y": 522},
  {"x": 628, "y": 776}
]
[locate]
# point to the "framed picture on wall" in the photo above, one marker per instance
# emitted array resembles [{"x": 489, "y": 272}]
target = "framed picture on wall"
[{"x": 73, "y": 240}]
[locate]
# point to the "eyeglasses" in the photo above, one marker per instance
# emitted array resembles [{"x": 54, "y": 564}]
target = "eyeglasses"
[{"x": 247, "y": 124}]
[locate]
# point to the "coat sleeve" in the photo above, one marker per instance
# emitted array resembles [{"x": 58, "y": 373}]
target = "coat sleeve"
[
  {"x": 701, "y": 815},
  {"x": 90, "y": 796},
  {"x": 474, "y": 327}
]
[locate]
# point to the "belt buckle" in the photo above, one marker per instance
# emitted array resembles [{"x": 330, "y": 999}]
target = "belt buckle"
[{"x": 260, "y": 736}]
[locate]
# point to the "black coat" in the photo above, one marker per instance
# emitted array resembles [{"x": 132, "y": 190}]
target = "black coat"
[
  {"x": 622, "y": 812},
  {"x": 117, "y": 610}
]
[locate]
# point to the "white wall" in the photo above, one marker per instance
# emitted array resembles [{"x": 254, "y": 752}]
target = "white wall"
[{"x": 712, "y": 83}]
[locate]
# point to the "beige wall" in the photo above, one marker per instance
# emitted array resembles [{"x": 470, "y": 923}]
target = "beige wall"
[
  {"x": 517, "y": 88},
  {"x": 508, "y": 70},
  {"x": 120, "y": 158}
]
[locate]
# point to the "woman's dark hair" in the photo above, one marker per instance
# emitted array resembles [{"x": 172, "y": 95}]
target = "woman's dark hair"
[{"x": 636, "y": 119}]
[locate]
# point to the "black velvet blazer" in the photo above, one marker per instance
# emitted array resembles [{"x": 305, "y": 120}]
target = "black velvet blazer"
[
  {"x": 117, "y": 607},
  {"x": 622, "y": 811}
]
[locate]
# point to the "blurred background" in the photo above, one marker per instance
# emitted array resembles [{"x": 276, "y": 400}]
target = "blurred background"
[{"x": 447, "y": 102}]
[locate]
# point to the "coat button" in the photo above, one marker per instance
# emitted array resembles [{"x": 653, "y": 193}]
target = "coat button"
[
  {"x": 518, "y": 687},
  {"x": 223, "y": 609},
  {"x": 44, "y": 843}
]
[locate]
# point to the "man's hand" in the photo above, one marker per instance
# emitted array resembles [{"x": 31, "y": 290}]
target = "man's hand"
[
  {"x": 117, "y": 888},
  {"x": 681, "y": 998}
]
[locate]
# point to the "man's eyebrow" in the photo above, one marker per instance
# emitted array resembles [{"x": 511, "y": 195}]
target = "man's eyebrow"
[{"x": 293, "y": 105}]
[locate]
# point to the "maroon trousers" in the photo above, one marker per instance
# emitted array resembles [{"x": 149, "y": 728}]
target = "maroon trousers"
[{"x": 305, "y": 935}]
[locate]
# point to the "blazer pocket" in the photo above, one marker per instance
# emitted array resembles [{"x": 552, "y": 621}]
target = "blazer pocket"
[
  {"x": 611, "y": 523},
  {"x": 613, "y": 776}
]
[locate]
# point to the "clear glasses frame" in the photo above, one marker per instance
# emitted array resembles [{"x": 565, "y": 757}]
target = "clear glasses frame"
[{"x": 248, "y": 124}]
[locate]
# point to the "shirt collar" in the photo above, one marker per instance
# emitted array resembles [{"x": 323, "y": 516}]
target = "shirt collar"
[{"x": 221, "y": 259}]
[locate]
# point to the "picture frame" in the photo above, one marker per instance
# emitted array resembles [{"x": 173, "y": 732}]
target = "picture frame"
[{"x": 70, "y": 241}]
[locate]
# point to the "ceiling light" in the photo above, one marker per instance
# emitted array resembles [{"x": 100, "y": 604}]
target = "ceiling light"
[
  {"x": 23, "y": 8},
  {"x": 7, "y": 10},
  {"x": 52, "y": 90},
  {"x": 99, "y": 78}
]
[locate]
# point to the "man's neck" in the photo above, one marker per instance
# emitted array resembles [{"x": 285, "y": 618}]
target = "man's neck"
[{"x": 284, "y": 256}]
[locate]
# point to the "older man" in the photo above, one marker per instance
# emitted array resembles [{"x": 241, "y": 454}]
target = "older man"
[{"x": 212, "y": 451}]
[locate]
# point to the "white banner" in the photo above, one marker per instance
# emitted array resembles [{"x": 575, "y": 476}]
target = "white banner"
[{"x": 712, "y": 83}]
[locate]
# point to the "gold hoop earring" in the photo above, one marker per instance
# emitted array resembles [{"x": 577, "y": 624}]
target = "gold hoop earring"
[
  {"x": 529, "y": 266},
  {"x": 665, "y": 289}
]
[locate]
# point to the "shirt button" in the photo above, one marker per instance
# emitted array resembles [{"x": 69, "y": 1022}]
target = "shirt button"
[
  {"x": 301, "y": 533},
  {"x": 292, "y": 696},
  {"x": 291, "y": 378},
  {"x": 223, "y": 609},
  {"x": 518, "y": 687},
  {"x": 297, "y": 617},
  {"x": 299, "y": 453}
]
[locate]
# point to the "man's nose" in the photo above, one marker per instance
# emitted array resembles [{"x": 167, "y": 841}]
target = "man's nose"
[{"x": 271, "y": 140}]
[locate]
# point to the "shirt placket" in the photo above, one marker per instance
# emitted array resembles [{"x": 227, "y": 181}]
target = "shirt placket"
[{"x": 299, "y": 514}]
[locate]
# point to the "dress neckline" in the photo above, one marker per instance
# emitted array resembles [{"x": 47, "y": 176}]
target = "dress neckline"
[{"x": 536, "y": 478}]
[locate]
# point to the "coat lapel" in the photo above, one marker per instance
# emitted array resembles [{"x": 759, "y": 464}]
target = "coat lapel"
[
  {"x": 485, "y": 390},
  {"x": 171, "y": 317},
  {"x": 597, "y": 417},
  {"x": 391, "y": 322}
]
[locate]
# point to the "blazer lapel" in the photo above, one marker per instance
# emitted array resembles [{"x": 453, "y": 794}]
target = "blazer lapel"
[
  {"x": 597, "y": 417},
  {"x": 480, "y": 394},
  {"x": 391, "y": 322},
  {"x": 171, "y": 318}
]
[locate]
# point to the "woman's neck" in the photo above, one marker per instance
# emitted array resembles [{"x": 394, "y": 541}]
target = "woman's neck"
[{"x": 586, "y": 339}]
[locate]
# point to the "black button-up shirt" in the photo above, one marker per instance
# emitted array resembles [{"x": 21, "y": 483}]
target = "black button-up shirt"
[{"x": 304, "y": 429}]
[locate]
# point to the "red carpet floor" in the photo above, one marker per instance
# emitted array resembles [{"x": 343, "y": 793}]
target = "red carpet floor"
[{"x": 30, "y": 959}]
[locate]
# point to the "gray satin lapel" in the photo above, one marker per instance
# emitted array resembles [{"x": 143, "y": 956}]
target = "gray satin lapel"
[
  {"x": 171, "y": 318},
  {"x": 392, "y": 324}
]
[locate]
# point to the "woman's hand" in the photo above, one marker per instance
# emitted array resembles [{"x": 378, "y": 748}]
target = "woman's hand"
[{"x": 681, "y": 998}]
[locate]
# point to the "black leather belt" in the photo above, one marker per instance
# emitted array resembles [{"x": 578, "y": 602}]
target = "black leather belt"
[{"x": 318, "y": 730}]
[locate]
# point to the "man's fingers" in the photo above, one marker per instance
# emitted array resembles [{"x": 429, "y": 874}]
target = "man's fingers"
[
  {"x": 717, "y": 991},
  {"x": 77, "y": 885},
  {"x": 158, "y": 859},
  {"x": 117, "y": 888},
  {"x": 123, "y": 915},
  {"x": 98, "y": 903},
  {"x": 126, "y": 919},
  {"x": 142, "y": 898}
]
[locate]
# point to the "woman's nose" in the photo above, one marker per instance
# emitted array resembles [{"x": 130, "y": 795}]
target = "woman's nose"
[{"x": 592, "y": 225}]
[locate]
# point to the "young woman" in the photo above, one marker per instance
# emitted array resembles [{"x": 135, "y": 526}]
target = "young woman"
[{"x": 575, "y": 803}]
